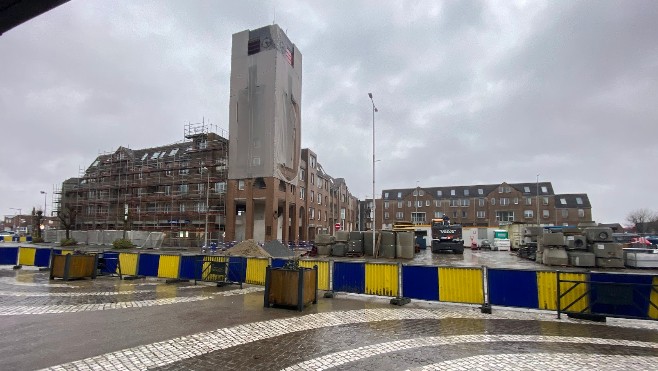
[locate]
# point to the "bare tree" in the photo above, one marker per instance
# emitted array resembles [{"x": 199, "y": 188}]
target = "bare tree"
[
  {"x": 640, "y": 217},
  {"x": 67, "y": 217}
]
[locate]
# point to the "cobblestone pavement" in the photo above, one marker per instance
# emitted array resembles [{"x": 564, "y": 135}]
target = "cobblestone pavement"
[{"x": 146, "y": 324}]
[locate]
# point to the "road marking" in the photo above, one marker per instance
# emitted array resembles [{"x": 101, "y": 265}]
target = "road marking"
[
  {"x": 546, "y": 361},
  {"x": 361, "y": 353}
]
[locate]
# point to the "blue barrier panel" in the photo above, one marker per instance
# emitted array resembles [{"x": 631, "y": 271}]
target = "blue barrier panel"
[
  {"x": 190, "y": 269},
  {"x": 278, "y": 262},
  {"x": 237, "y": 269},
  {"x": 350, "y": 277},
  {"x": 148, "y": 265},
  {"x": 620, "y": 300},
  {"x": 57, "y": 251},
  {"x": 420, "y": 282},
  {"x": 111, "y": 262},
  {"x": 513, "y": 288},
  {"x": 28, "y": 239},
  {"x": 42, "y": 258},
  {"x": 8, "y": 255}
]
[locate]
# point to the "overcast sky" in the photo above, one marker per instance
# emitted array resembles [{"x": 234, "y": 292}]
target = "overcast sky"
[{"x": 468, "y": 92}]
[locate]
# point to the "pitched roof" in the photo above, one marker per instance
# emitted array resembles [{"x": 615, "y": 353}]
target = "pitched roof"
[
  {"x": 469, "y": 190},
  {"x": 572, "y": 200}
]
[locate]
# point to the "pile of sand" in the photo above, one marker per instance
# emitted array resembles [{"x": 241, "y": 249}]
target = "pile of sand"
[{"x": 248, "y": 248}]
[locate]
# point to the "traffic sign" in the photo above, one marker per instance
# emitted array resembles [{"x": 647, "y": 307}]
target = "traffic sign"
[{"x": 337, "y": 226}]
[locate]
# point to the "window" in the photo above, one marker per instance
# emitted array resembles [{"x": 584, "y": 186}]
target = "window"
[
  {"x": 528, "y": 214},
  {"x": 466, "y": 202},
  {"x": 480, "y": 191},
  {"x": 437, "y": 203},
  {"x": 544, "y": 189},
  {"x": 302, "y": 193},
  {"x": 421, "y": 193},
  {"x": 408, "y": 203},
  {"x": 385, "y": 204},
  {"x": 439, "y": 193},
  {"x": 302, "y": 174},
  {"x": 454, "y": 203},
  {"x": 319, "y": 199},
  {"x": 167, "y": 190},
  {"x": 183, "y": 188},
  {"x": 386, "y": 216},
  {"x": 427, "y": 202},
  {"x": 220, "y": 187},
  {"x": 181, "y": 208},
  {"x": 504, "y": 216},
  {"x": 464, "y": 214},
  {"x": 201, "y": 188},
  {"x": 438, "y": 214},
  {"x": 399, "y": 215},
  {"x": 255, "y": 161},
  {"x": 200, "y": 207},
  {"x": 312, "y": 196},
  {"x": 504, "y": 201},
  {"x": 313, "y": 162},
  {"x": 466, "y": 192},
  {"x": 311, "y": 213},
  {"x": 481, "y": 202},
  {"x": 399, "y": 194},
  {"x": 452, "y": 192},
  {"x": 240, "y": 185},
  {"x": 386, "y": 195},
  {"x": 454, "y": 214},
  {"x": 501, "y": 189},
  {"x": 579, "y": 200},
  {"x": 419, "y": 203},
  {"x": 312, "y": 178},
  {"x": 526, "y": 189},
  {"x": 563, "y": 201},
  {"x": 480, "y": 214},
  {"x": 493, "y": 201},
  {"x": 253, "y": 46},
  {"x": 581, "y": 213},
  {"x": 528, "y": 201},
  {"x": 418, "y": 217},
  {"x": 399, "y": 204},
  {"x": 415, "y": 192},
  {"x": 565, "y": 213},
  {"x": 516, "y": 200},
  {"x": 545, "y": 213},
  {"x": 544, "y": 200}
]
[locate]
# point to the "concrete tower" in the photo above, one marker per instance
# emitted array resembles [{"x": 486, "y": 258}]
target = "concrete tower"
[{"x": 264, "y": 135}]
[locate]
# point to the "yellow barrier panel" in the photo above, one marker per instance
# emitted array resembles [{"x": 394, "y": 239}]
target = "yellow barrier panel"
[
  {"x": 168, "y": 266},
  {"x": 128, "y": 263},
  {"x": 26, "y": 255},
  {"x": 461, "y": 285},
  {"x": 67, "y": 252},
  {"x": 7, "y": 238},
  {"x": 381, "y": 279},
  {"x": 323, "y": 271},
  {"x": 256, "y": 270},
  {"x": 22, "y": 239},
  {"x": 547, "y": 291},
  {"x": 206, "y": 263},
  {"x": 653, "y": 312}
]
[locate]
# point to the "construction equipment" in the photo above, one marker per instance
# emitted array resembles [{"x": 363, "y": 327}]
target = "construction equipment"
[{"x": 446, "y": 236}]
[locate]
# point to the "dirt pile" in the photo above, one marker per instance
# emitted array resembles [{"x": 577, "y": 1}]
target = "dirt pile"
[{"x": 248, "y": 248}]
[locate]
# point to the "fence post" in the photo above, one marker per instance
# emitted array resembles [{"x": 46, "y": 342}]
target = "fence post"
[
  {"x": 400, "y": 293},
  {"x": 559, "y": 293}
]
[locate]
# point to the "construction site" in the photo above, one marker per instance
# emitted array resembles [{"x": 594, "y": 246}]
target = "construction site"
[{"x": 177, "y": 190}]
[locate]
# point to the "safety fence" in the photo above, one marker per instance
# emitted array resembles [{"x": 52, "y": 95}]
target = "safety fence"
[
  {"x": 630, "y": 295},
  {"x": 16, "y": 239}
]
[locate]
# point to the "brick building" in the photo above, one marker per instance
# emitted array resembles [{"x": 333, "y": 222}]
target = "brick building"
[{"x": 482, "y": 205}]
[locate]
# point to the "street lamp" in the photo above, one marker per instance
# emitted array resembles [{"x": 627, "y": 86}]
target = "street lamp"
[
  {"x": 45, "y": 194},
  {"x": 374, "y": 205},
  {"x": 205, "y": 227}
]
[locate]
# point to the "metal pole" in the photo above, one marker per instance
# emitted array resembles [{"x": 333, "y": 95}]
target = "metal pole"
[
  {"x": 205, "y": 228},
  {"x": 537, "y": 200},
  {"x": 374, "y": 205},
  {"x": 45, "y": 194}
]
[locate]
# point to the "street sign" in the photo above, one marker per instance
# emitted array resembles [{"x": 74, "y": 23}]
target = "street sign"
[{"x": 337, "y": 226}]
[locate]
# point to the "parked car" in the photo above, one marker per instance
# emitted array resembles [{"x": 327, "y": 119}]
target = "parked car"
[{"x": 485, "y": 244}]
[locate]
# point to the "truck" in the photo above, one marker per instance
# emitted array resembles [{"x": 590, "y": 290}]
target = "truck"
[
  {"x": 501, "y": 240},
  {"x": 446, "y": 236}
]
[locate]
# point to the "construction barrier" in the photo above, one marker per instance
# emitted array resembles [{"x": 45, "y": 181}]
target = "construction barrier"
[
  {"x": 7, "y": 238},
  {"x": 256, "y": 268},
  {"x": 128, "y": 263},
  {"x": 169, "y": 266},
  {"x": 381, "y": 279},
  {"x": 189, "y": 269},
  {"x": 349, "y": 277},
  {"x": 420, "y": 282},
  {"x": 574, "y": 296},
  {"x": 461, "y": 285},
  {"x": 8, "y": 255},
  {"x": 111, "y": 263},
  {"x": 621, "y": 295},
  {"x": 324, "y": 274},
  {"x": 513, "y": 288}
]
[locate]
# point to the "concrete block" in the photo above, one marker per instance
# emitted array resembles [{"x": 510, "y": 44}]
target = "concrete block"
[
  {"x": 339, "y": 249},
  {"x": 555, "y": 256},
  {"x": 581, "y": 258},
  {"x": 324, "y": 249},
  {"x": 552, "y": 239},
  {"x": 342, "y": 236},
  {"x": 598, "y": 234},
  {"x": 577, "y": 242},
  {"x": 609, "y": 263},
  {"x": 608, "y": 250}
]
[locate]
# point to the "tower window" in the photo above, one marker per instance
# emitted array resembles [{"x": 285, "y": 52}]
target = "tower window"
[{"x": 253, "y": 46}]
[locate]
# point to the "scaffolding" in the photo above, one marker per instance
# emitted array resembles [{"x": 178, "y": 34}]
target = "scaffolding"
[{"x": 158, "y": 189}]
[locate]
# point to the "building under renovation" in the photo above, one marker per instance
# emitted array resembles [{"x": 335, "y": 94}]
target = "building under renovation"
[{"x": 171, "y": 189}]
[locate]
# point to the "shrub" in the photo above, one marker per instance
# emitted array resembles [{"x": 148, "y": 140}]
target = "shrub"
[
  {"x": 122, "y": 244},
  {"x": 68, "y": 242},
  {"x": 37, "y": 240}
]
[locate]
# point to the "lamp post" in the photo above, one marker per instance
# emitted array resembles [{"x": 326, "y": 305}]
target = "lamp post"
[
  {"x": 374, "y": 205},
  {"x": 205, "y": 226},
  {"x": 45, "y": 194},
  {"x": 538, "y": 200}
]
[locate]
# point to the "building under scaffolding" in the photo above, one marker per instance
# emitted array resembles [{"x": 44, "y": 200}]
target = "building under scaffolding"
[{"x": 160, "y": 189}]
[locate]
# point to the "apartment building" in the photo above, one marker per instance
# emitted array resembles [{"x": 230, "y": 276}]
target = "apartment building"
[{"x": 482, "y": 205}]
